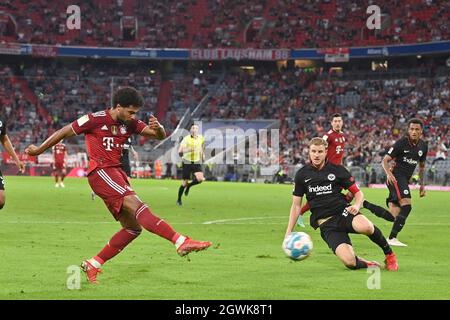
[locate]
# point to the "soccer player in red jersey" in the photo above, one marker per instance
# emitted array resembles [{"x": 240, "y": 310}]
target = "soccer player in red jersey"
[
  {"x": 59, "y": 163},
  {"x": 106, "y": 132},
  {"x": 336, "y": 140}
]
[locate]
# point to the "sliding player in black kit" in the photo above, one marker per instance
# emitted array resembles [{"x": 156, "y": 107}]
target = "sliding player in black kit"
[
  {"x": 322, "y": 183},
  {"x": 407, "y": 152}
]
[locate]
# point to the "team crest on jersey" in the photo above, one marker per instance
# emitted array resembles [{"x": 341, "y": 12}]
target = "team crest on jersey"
[
  {"x": 420, "y": 153},
  {"x": 406, "y": 192},
  {"x": 114, "y": 130},
  {"x": 123, "y": 129},
  {"x": 331, "y": 177}
]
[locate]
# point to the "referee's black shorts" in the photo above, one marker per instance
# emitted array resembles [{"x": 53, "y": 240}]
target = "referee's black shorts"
[
  {"x": 190, "y": 168},
  {"x": 335, "y": 230},
  {"x": 398, "y": 190}
]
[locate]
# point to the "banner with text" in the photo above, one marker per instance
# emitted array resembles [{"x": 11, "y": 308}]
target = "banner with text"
[{"x": 240, "y": 54}]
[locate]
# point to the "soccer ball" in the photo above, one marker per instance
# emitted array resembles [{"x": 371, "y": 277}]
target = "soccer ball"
[{"x": 298, "y": 245}]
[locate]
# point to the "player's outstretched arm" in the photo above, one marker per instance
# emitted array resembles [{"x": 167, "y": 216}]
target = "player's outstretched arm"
[
  {"x": 154, "y": 129},
  {"x": 57, "y": 136},
  {"x": 294, "y": 213},
  {"x": 10, "y": 149},
  {"x": 390, "y": 177},
  {"x": 422, "y": 178}
]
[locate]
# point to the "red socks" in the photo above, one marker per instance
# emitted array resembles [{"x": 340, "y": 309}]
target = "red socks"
[
  {"x": 119, "y": 241},
  {"x": 155, "y": 224},
  {"x": 122, "y": 238},
  {"x": 304, "y": 208}
]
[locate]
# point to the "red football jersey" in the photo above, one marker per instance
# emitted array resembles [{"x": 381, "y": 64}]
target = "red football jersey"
[
  {"x": 105, "y": 138},
  {"x": 336, "y": 144},
  {"x": 59, "y": 152}
]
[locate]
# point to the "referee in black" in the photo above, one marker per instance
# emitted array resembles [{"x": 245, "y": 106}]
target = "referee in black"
[
  {"x": 406, "y": 153},
  {"x": 322, "y": 182}
]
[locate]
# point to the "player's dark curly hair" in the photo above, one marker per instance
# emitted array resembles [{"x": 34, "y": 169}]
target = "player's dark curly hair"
[
  {"x": 416, "y": 121},
  {"x": 128, "y": 96},
  {"x": 336, "y": 115}
]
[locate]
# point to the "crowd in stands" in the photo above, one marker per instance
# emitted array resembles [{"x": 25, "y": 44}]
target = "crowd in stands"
[
  {"x": 39, "y": 98},
  {"x": 219, "y": 23},
  {"x": 303, "y": 102}
]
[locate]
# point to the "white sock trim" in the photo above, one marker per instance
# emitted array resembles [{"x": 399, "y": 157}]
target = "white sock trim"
[
  {"x": 95, "y": 263},
  {"x": 179, "y": 241}
]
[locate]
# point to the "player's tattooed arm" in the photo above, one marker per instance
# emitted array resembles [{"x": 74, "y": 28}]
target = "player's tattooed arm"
[
  {"x": 10, "y": 149},
  {"x": 56, "y": 137},
  {"x": 154, "y": 129},
  {"x": 422, "y": 178}
]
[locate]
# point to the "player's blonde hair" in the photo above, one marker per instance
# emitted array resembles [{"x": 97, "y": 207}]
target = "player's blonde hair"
[{"x": 318, "y": 141}]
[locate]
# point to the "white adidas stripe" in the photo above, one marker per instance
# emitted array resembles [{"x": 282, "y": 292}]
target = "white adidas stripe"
[
  {"x": 111, "y": 183},
  {"x": 139, "y": 211}
]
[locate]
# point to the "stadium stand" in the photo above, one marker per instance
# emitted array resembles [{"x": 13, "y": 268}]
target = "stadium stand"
[{"x": 233, "y": 23}]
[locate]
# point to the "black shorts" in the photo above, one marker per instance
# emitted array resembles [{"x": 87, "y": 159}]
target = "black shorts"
[
  {"x": 335, "y": 230},
  {"x": 126, "y": 167},
  {"x": 398, "y": 190},
  {"x": 2, "y": 182},
  {"x": 190, "y": 168}
]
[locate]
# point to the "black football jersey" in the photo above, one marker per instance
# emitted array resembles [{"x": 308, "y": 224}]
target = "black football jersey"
[
  {"x": 323, "y": 189},
  {"x": 407, "y": 155},
  {"x": 2, "y": 126}
]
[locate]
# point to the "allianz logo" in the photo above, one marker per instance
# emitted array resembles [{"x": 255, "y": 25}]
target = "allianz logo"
[{"x": 320, "y": 188}]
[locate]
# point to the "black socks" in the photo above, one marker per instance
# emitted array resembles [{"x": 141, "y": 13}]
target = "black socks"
[
  {"x": 378, "y": 211},
  {"x": 378, "y": 238},
  {"x": 180, "y": 192},
  {"x": 400, "y": 221}
]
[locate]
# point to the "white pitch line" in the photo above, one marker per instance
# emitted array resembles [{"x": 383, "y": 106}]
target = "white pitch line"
[
  {"x": 241, "y": 219},
  {"x": 237, "y": 221}
]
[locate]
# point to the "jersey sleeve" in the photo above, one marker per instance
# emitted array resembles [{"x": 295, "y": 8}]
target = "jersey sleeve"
[
  {"x": 84, "y": 124},
  {"x": 344, "y": 177},
  {"x": 139, "y": 126},
  {"x": 299, "y": 185},
  {"x": 423, "y": 158},
  {"x": 396, "y": 149}
]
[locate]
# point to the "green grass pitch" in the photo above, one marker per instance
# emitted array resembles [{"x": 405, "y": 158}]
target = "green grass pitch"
[{"x": 44, "y": 231}]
